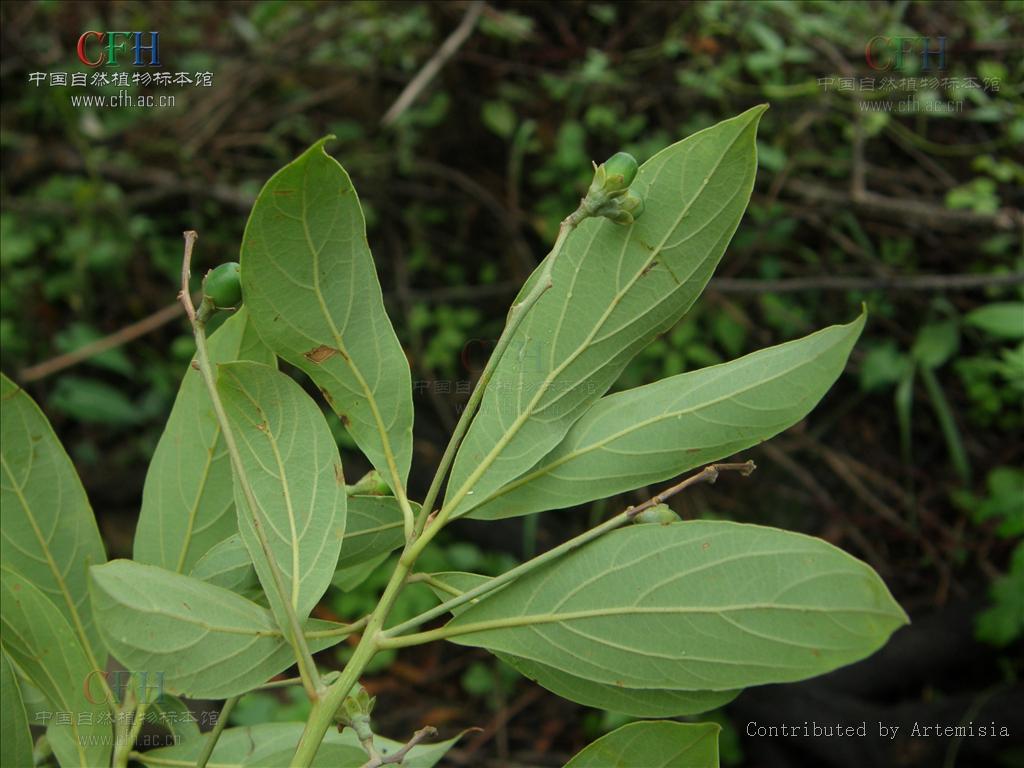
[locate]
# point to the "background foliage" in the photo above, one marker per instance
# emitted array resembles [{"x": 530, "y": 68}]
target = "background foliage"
[{"x": 913, "y": 461}]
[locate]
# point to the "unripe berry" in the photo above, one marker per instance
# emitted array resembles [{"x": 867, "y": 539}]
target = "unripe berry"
[
  {"x": 223, "y": 285},
  {"x": 661, "y": 514},
  {"x": 620, "y": 164}
]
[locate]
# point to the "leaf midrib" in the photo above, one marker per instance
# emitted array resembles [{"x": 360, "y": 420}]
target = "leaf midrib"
[
  {"x": 57, "y": 688},
  {"x": 542, "y": 390},
  {"x": 193, "y": 512},
  {"x": 547, "y": 468},
  {"x": 61, "y": 583},
  {"x": 296, "y": 575},
  {"x": 371, "y": 400}
]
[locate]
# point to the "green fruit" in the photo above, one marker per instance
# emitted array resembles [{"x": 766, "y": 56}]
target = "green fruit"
[
  {"x": 661, "y": 514},
  {"x": 621, "y": 164},
  {"x": 223, "y": 285}
]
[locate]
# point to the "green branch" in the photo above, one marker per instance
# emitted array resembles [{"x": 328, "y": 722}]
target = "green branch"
[
  {"x": 293, "y": 631},
  {"x": 214, "y": 735},
  {"x": 707, "y": 475},
  {"x": 515, "y": 318}
]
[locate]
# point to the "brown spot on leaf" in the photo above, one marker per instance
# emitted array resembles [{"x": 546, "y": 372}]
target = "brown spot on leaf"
[
  {"x": 815, "y": 652},
  {"x": 706, "y": 545},
  {"x": 339, "y": 474},
  {"x": 648, "y": 268},
  {"x": 284, "y": 191},
  {"x": 319, "y": 354},
  {"x": 262, "y": 426},
  {"x": 195, "y": 364},
  {"x": 345, "y": 420},
  {"x": 327, "y": 396}
]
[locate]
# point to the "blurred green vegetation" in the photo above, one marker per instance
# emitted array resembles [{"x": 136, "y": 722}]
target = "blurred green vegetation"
[{"x": 910, "y": 463}]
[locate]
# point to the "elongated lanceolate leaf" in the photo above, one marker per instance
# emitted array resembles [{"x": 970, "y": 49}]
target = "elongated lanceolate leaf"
[
  {"x": 614, "y": 289},
  {"x": 271, "y": 745},
  {"x": 690, "y": 606},
  {"x": 309, "y": 282},
  {"x": 292, "y": 466},
  {"x": 40, "y": 641},
  {"x": 49, "y": 534},
  {"x": 653, "y": 744},
  {"x": 655, "y": 432},
  {"x": 15, "y": 738},
  {"x": 636, "y": 702},
  {"x": 207, "y": 641},
  {"x": 187, "y": 503}
]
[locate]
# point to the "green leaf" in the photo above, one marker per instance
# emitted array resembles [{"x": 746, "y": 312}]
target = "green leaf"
[
  {"x": 614, "y": 289},
  {"x": 187, "y": 504},
  {"x": 936, "y": 343},
  {"x": 1003, "y": 502},
  {"x": 1003, "y": 622},
  {"x": 1005, "y": 320},
  {"x": 49, "y": 534},
  {"x": 374, "y": 528},
  {"x": 903, "y": 399},
  {"x": 94, "y": 402},
  {"x": 207, "y": 641},
  {"x": 15, "y": 737},
  {"x": 690, "y": 606},
  {"x": 653, "y": 744},
  {"x": 271, "y": 745},
  {"x": 347, "y": 579},
  {"x": 228, "y": 565},
  {"x": 883, "y": 366},
  {"x": 292, "y": 466},
  {"x": 309, "y": 282},
  {"x": 636, "y": 702},
  {"x": 947, "y": 423},
  {"x": 38, "y": 638},
  {"x": 655, "y": 432},
  {"x": 173, "y": 714}
]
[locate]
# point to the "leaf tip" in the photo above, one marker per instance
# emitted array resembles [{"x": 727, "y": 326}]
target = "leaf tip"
[{"x": 321, "y": 144}]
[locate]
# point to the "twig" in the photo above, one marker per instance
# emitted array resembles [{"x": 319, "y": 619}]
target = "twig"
[
  {"x": 129, "y": 333},
  {"x": 464, "y": 293},
  {"x": 937, "y": 215},
  {"x": 214, "y": 735},
  {"x": 184, "y": 296},
  {"x": 291, "y": 627},
  {"x": 448, "y": 48},
  {"x": 395, "y": 758},
  {"x": 500, "y": 720},
  {"x": 707, "y": 475},
  {"x": 514, "y": 319}
]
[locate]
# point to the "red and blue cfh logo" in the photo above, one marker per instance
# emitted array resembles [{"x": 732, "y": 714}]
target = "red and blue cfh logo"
[{"x": 99, "y": 49}]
